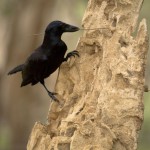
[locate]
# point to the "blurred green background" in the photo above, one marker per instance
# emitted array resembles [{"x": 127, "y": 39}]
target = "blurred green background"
[{"x": 21, "y": 107}]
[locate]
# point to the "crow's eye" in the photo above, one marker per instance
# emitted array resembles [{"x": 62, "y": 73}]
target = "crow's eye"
[
  {"x": 63, "y": 25},
  {"x": 60, "y": 27}
]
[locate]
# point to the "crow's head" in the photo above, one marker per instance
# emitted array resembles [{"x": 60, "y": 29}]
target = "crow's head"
[{"x": 59, "y": 27}]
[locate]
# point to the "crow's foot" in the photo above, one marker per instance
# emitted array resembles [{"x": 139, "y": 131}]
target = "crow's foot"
[
  {"x": 52, "y": 96},
  {"x": 73, "y": 53}
]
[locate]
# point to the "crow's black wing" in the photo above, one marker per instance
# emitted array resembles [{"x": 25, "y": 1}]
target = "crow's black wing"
[
  {"x": 35, "y": 68},
  {"x": 16, "y": 69},
  {"x": 43, "y": 62}
]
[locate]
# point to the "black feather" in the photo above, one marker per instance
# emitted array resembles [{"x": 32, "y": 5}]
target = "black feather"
[
  {"x": 16, "y": 69},
  {"x": 47, "y": 57}
]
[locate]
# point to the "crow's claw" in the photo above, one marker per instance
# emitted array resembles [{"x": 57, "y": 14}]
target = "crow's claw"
[
  {"x": 52, "y": 95},
  {"x": 73, "y": 53}
]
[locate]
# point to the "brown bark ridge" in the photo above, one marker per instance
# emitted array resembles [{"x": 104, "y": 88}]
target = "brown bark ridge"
[{"x": 102, "y": 91}]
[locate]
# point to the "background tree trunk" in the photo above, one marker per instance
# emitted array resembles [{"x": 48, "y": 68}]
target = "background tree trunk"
[
  {"x": 21, "y": 107},
  {"x": 26, "y": 19},
  {"x": 101, "y": 93}
]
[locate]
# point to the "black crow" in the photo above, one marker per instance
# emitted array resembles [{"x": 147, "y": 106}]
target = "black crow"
[{"x": 47, "y": 57}]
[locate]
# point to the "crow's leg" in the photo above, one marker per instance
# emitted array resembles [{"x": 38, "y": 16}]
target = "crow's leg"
[
  {"x": 51, "y": 94},
  {"x": 70, "y": 54}
]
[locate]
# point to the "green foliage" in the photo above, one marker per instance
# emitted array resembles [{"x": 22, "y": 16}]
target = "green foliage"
[
  {"x": 5, "y": 138},
  {"x": 144, "y": 140}
]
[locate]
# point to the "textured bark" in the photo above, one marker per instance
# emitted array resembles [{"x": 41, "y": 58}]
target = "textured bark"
[{"x": 102, "y": 91}]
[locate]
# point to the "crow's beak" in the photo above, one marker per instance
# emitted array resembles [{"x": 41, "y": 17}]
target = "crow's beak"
[{"x": 70, "y": 28}]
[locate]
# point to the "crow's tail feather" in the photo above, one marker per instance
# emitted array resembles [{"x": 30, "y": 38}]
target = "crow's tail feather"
[{"x": 16, "y": 69}]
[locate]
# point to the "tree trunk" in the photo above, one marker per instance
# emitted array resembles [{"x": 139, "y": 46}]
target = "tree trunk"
[{"x": 102, "y": 91}]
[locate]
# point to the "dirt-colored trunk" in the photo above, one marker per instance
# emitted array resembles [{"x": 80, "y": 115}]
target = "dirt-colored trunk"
[{"x": 102, "y": 91}]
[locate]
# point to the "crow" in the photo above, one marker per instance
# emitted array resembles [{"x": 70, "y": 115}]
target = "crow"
[{"x": 47, "y": 57}]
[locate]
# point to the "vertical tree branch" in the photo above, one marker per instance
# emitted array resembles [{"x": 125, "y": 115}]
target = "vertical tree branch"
[{"x": 102, "y": 92}]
